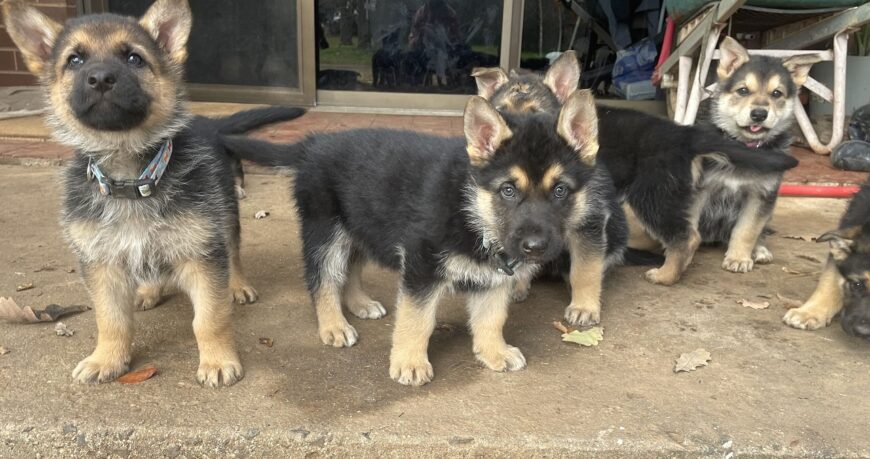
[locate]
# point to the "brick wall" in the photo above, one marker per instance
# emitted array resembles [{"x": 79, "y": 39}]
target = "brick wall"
[{"x": 13, "y": 72}]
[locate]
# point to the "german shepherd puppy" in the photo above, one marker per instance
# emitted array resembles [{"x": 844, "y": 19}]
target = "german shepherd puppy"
[
  {"x": 669, "y": 176},
  {"x": 843, "y": 284},
  {"x": 116, "y": 94},
  {"x": 449, "y": 215}
]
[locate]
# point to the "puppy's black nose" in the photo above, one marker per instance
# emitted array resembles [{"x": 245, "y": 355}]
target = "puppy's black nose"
[
  {"x": 534, "y": 245},
  {"x": 861, "y": 328},
  {"x": 758, "y": 115},
  {"x": 101, "y": 80}
]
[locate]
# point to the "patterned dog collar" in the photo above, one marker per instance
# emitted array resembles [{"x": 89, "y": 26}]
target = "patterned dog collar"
[{"x": 142, "y": 187}]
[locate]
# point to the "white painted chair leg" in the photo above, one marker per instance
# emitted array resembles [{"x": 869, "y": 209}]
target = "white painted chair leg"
[
  {"x": 700, "y": 78},
  {"x": 682, "y": 88}
]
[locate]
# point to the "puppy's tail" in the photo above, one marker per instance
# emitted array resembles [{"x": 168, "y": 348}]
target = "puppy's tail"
[
  {"x": 716, "y": 147},
  {"x": 264, "y": 153},
  {"x": 244, "y": 121}
]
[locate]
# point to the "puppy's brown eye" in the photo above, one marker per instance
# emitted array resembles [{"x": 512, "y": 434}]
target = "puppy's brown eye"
[
  {"x": 856, "y": 286},
  {"x": 776, "y": 94},
  {"x": 135, "y": 60},
  {"x": 75, "y": 60},
  {"x": 743, "y": 92},
  {"x": 508, "y": 191},
  {"x": 560, "y": 191}
]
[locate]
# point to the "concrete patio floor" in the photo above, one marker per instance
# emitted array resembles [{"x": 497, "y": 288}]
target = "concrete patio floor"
[{"x": 769, "y": 391}]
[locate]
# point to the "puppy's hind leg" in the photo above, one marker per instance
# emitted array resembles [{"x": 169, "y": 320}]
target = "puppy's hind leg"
[
  {"x": 678, "y": 257},
  {"x": 355, "y": 298},
  {"x": 206, "y": 283},
  {"x": 327, "y": 248},
  {"x": 241, "y": 290},
  {"x": 111, "y": 291}
]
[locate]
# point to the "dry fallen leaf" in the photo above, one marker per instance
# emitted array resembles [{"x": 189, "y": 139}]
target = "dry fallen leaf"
[
  {"x": 24, "y": 286},
  {"x": 11, "y": 312},
  {"x": 753, "y": 304},
  {"x": 61, "y": 330},
  {"x": 800, "y": 237},
  {"x": 810, "y": 258},
  {"x": 789, "y": 302},
  {"x": 692, "y": 360},
  {"x": 44, "y": 268},
  {"x": 142, "y": 374},
  {"x": 589, "y": 337},
  {"x": 788, "y": 270},
  {"x": 562, "y": 328},
  {"x": 70, "y": 270},
  {"x": 268, "y": 342},
  {"x": 261, "y": 214},
  {"x": 4, "y": 351}
]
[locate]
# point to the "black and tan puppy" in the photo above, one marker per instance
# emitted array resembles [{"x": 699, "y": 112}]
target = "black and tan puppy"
[
  {"x": 449, "y": 214},
  {"x": 843, "y": 285},
  {"x": 148, "y": 197},
  {"x": 669, "y": 176}
]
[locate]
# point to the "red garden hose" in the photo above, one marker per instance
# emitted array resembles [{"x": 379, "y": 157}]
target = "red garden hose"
[{"x": 819, "y": 191}]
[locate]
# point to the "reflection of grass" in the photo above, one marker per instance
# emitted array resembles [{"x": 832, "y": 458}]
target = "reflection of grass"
[{"x": 346, "y": 55}]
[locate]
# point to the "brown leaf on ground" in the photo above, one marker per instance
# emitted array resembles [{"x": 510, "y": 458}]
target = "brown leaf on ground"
[
  {"x": 590, "y": 337},
  {"x": 24, "y": 286},
  {"x": 45, "y": 268},
  {"x": 11, "y": 312},
  {"x": 754, "y": 304},
  {"x": 692, "y": 360},
  {"x": 795, "y": 272},
  {"x": 268, "y": 342},
  {"x": 70, "y": 270},
  {"x": 4, "y": 351},
  {"x": 809, "y": 258},
  {"x": 789, "y": 303},
  {"x": 261, "y": 214},
  {"x": 800, "y": 237},
  {"x": 135, "y": 377},
  {"x": 562, "y": 328}
]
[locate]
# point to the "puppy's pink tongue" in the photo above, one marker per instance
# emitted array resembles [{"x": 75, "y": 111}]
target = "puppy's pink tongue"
[{"x": 755, "y": 128}]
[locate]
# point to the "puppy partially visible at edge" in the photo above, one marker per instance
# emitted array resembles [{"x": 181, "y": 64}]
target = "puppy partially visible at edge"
[
  {"x": 842, "y": 287},
  {"x": 115, "y": 91},
  {"x": 666, "y": 174},
  {"x": 450, "y": 214}
]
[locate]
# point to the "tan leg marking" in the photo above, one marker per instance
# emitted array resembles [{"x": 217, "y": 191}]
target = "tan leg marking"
[
  {"x": 638, "y": 237},
  {"x": 521, "y": 288},
  {"x": 148, "y": 295},
  {"x": 415, "y": 321},
  {"x": 239, "y": 187},
  {"x": 488, "y": 312},
  {"x": 241, "y": 290},
  {"x": 219, "y": 363},
  {"x": 356, "y": 299},
  {"x": 333, "y": 327},
  {"x": 677, "y": 259},
  {"x": 111, "y": 291},
  {"x": 825, "y": 302},
  {"x": 744, "y": 238},
  {"x": 586, "y": 275}
]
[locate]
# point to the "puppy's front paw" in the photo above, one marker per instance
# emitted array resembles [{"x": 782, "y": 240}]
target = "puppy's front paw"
[
  {"x": 338, "y": 335},
  {"x": 240, "y": 192},
  {"x": 520, "y": 292},
  {"x": 96, "y": 369},
  {"x": 737, "y": 265},
  {"x": 505, "y": 358},
  {"x": 583, "y": 315},
  {"x": 762, "y": 255},
  {"x": 218, "y": 373},
  {"x": 659, "y": 277},
  {"x": 369, "y": 309},
  {"x": 243, "y": 293},
  {"x": 807, "y": 317},
  {"x": 411, "y": 370}
]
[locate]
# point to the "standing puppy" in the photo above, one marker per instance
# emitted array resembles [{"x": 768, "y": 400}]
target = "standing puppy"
[
  {"x": 449, "y": 214},
  {"x": 148, "y": 199}
]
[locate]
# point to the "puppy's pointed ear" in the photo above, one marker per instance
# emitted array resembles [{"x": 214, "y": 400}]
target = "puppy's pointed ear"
[
  {"x": 841, "y": 241},
  {"x": 488, "y": 80},
  {"x": 563, "y": 76},
  {"x": 485, "y": 130},
  {"x": 578, "y": 125},
  {"x": 33, "y": 32},
  {"x": 731, "y": 56},
  {"x": 799, "y": 66},
  {"x": 169, "y": 22}
]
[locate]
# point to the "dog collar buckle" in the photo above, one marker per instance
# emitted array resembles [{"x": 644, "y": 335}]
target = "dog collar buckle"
[
  {"x": 143, "y": 187},
  {"x": 506, "y": 265},
  {"x": 131, "y": 189}
]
